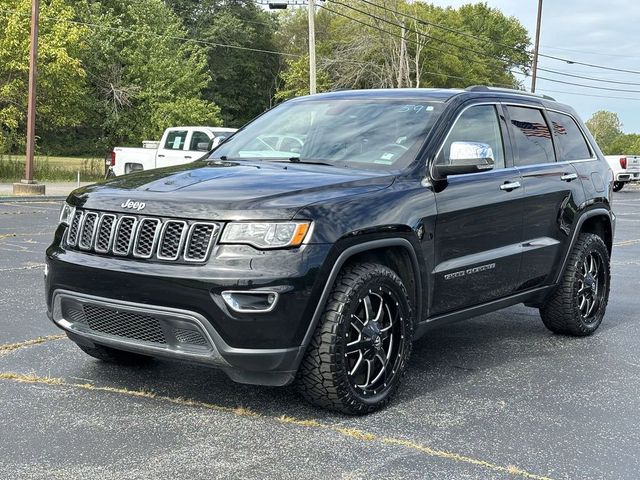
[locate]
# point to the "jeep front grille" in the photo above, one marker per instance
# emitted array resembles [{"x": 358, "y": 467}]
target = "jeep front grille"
[{"x": 142, "y": 237}]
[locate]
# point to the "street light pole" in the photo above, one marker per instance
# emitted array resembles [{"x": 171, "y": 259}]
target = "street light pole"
[
  {"x": 534, "y": 72},
  {"x": 31, "y": 108},
  {"x": 312, "y": 47}
]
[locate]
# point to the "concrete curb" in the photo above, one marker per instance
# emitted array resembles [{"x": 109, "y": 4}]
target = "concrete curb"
[{"x": 32, "y": 199}]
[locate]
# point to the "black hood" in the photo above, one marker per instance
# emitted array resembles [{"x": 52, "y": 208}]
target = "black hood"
[{"x": 233, "y": 190}]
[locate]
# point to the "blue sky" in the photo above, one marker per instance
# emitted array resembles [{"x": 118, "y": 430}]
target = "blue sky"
[{"x": 602, "y": 33}]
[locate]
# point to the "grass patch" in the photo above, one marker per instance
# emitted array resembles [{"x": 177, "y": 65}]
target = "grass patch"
[{"x": 57, "y": 169}]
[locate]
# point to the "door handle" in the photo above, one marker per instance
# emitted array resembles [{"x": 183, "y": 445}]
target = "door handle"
[
  {"x": 161, "y": 156},
  {"x": 510, "y": 186},
  {"x": 187, "y": 156},
  {"x": 567, "y": 177}
]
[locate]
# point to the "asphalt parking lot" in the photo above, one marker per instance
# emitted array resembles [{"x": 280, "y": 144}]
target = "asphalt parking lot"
[{"x": 494, "y": 397}]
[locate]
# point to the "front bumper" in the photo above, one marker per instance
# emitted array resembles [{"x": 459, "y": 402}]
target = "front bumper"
[{"x": 260, "y": 348}]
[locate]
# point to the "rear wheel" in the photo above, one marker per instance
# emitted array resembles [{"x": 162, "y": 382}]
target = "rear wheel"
[
  {"x": 112, "y": 355},
  {"x": 362, "y": 344},
  {"x": 578, "y": 304},
  {"x": 617, "y": 186}
]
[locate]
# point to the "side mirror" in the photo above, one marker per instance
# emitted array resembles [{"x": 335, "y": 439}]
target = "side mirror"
[{"x": 466, "y": 157}]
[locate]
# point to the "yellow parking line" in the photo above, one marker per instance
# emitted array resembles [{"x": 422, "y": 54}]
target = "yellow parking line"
[
  {"x": 245, "y": 412},
  {"x": 9, "y": 347}
]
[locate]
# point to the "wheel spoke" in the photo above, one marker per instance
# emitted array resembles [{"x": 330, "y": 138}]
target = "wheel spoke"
[
  {"x": 391, "y": 320},
  {"x": 380, "y": 311},
  {"x": 383, "y": 371},
  {"x": 367, "y": 309},
  {"x": 357, "y": 323},
  {"x": 581, "y": 299},
  {"x": 357, "y": 365},
  {"x": 356, "y": 346}
]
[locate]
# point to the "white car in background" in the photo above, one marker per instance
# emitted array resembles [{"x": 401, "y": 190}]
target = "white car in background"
[
  {"x": 178, "y": 145},
  {"x": 626, "y": 168}
]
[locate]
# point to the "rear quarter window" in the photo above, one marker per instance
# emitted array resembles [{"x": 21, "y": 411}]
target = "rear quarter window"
[{"x": 571, "y": 142}]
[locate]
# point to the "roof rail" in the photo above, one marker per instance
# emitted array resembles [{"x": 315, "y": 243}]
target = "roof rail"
[{"x": 484, "y": 88}]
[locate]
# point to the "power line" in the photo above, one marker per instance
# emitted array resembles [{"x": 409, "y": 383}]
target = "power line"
[
  {"x": 579, "y": 84},
  {"x": 582, "y": 94},
  {"x": 413, "y": 42},
  {"x": 174, "y": 37},
  {"x": 460, "y": 32},
  {"x": 440, "y": 26},
  {"x": 593, "y": 65},
  {"x": 604, "y": 80}
]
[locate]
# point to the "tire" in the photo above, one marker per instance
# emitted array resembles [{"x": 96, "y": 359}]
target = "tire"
[
  {"x": 112, "y": 355},
  {"x": 617, "y": 186},
  {"x": 359, "y": 376},
  {"x": 578, "y": 303}
]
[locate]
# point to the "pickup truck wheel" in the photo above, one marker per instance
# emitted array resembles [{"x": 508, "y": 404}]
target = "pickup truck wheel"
[
  {"x": 617, "y": 186},
  {"x": 578, "y": 304},
  {"x": 362, "y": 344},
  {"x": 111, "y": 355}
]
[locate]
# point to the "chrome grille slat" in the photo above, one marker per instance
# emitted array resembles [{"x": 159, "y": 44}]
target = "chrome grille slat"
[
  {"x": 126, "y": 235},
  {"x": 146, "y": 237},
  {"x": 200, "y": 240},
  {"x": 172, "y": 239},
  {"x": 74, "y": 228},
  {"x": 106, "y": 229},
  {"x": 125, "y": 232},
  {"x": 88, "y": 230}
]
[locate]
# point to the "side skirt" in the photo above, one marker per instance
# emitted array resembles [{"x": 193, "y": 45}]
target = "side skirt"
[{"x": 534, "y": 296}]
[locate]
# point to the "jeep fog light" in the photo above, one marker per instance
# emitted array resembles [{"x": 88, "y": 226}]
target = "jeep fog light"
[{"x": 250, "y": 302}]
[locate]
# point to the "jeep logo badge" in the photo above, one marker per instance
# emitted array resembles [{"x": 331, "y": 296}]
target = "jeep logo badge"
[{"x": 133, "y": 205}]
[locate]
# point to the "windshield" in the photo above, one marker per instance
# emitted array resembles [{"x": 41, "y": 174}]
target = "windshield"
[{"x": 361, "y": 132}]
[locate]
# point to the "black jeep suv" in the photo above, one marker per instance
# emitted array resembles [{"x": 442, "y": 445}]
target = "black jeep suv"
[{"x": 315, "y": 244}]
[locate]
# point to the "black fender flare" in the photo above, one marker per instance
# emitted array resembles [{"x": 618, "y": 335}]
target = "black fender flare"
[
  {"x": 344, "y": 256},
  {"x": 594, "y": 212}
]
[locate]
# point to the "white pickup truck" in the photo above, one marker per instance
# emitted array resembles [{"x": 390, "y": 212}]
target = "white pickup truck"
[
  {"x": 626, "y": 168},
  {"x": 178, "y": 145}
]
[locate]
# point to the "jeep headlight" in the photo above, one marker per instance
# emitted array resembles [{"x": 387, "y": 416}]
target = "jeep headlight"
[
  {"x": 266, "y": 235},
  {"x": 66, "y": 213}
]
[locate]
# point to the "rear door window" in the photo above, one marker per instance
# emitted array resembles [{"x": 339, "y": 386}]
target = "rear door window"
[
  {"x": 571, "y": 142},
  {"x": 531, "y": 135},
  {"x": 175, "y": 140}
]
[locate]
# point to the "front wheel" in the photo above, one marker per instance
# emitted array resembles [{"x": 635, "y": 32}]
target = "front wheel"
[
  {"x": 617, "y": 186},
  {"x": 362, "y": 344},
  {"x": 578, "y": 304}
]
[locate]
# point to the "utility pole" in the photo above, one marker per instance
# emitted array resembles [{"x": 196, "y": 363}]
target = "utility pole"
[
  {"x": 311, "y": 4},
  {"x": 534, "y": 72},
  {"x": 312, "y": 47},
  {"x": 33, "y": 74},
  {"x": 28, "y": 186}
]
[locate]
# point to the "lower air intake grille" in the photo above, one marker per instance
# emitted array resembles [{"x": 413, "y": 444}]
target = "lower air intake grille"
[
  {"x": 124, "y": 324},
  {"x": 189, "y": 336}
]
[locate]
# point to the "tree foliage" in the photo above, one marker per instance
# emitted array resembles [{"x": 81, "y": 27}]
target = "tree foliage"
[
  {"x": 62, "y": 79},
  {"x": 605, "y": 127},
  {"x": 395, "y": 43}
]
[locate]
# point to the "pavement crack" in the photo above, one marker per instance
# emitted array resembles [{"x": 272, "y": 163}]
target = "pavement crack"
[
  {"x": 26, "y": 267},
  {"x": 10, "y": 347},
  {"x": 240, "y": 411}
]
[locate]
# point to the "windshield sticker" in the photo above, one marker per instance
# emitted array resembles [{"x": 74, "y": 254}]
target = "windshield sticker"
[{"x": 415, "y": 108}]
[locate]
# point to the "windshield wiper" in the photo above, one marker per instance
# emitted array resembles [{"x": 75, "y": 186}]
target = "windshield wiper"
[{"x": 310, "y": 162}]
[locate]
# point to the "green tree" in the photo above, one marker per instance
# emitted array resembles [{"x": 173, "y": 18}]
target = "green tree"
[
  {"x": 394, "y": 43},
  {"x": 625, "y": 144},
  {"x": 605, "y": 126},
  {"x": 243, "y": 78},
  {"x": 62, "y": 91},
  {"x": 144, "y": 76}
]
